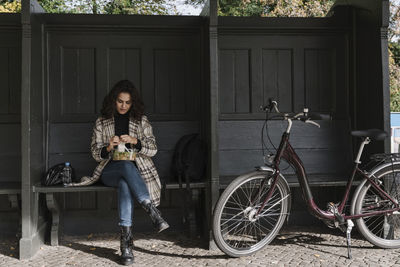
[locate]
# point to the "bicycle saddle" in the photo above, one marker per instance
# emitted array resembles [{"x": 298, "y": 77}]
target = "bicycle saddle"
[{"x": 374, "y": 134}]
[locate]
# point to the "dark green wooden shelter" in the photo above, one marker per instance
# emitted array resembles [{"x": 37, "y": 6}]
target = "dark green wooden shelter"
[{"x": 204, "y": 74}]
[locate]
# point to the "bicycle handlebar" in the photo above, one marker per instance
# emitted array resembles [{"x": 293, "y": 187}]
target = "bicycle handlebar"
[
  {"x": 272, "y": 105},
  {"x": 304, "y": 116}
]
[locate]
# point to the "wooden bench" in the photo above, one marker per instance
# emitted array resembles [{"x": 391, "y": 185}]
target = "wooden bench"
[
  {"x": 12, "y": 189},
  {"x": 55, "y": 210}
]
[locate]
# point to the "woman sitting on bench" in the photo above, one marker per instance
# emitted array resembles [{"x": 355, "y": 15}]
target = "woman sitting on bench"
[{"x": 123, "y": 127}]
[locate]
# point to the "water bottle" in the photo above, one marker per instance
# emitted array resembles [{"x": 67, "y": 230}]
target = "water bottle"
[{"x": 67, "y": 174}]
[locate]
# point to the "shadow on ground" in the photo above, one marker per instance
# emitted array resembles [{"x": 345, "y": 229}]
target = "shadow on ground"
[
  {"x": 178, "y": 239},
  {"x": 9, "y": 246},
  {"x": 306, "y": 237}
]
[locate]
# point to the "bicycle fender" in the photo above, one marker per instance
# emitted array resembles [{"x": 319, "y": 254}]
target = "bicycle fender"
[{"x": 269, "y": 169}]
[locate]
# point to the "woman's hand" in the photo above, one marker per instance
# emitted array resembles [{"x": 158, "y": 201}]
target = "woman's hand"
[
  {"x": 114, "y": 141},
  {"x": 128, "y": 139}
]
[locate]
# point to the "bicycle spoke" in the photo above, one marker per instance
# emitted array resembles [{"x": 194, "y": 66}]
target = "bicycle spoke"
[
  {"x": 233, "y": 217},
  {"x": 247, "y": 196},
  {"x": 265, "y": 227},
  {"x": 269, "y": 222},
  {"x": 275, "y": 204},
  {"x": 237, "y": 201}
]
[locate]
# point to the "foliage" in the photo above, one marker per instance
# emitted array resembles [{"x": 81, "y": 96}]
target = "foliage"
[
  {"x": 242, "y": 8},
  {"x": 300, "y": 8},
  {"x": 394, "y": 21},
  {"x": 395, "y": 52},
  {"x": 10, "y": 6},
  {"x": 394, "y": 56},
  {"x": 142, "y": 7},
  {"x": 270, "y": 8},
  {"x": 54, "y": 6},
  {"x": 394, "y": 75}
]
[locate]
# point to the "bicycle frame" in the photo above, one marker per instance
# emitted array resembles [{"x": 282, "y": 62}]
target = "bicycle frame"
[{"x": 286, "y": 151}]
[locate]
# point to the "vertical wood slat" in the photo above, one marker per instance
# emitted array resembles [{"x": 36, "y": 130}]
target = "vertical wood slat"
[
  {"x": 133, "y": 67},
  {"x": 69, "y": 82},
  {"x": 325, "y": 81},
  {"x": 116, "y": 66},
  {"x": 169, "y": 71},
  {"x": 285, "y": 79},
  {"x": 124, "y": 63},
  {"x": 147, "y": 78},
  {"x": 235, "y": 81},
  {"x": 311, "y": 79},
  {"x": 256, "y": 73},
  {"x": 226, "y": 81},
  {"x": 277, "y": 77},
  {"x": 4, "y": 78},
  {"x": 177, "y": 82},
  {"x": 319, "y": 79},
  {"x": 78, "y": 83},
  {"x": 298, "y": 79},
  {"x": 102, "y": 77},
  {"x": 161, "y": 81},
  {"x": 15, "y": 80},
  {"x": 242, "y": 86},
  {"x": 270, "y": 75},
  {"x": 87, "y": 81}
]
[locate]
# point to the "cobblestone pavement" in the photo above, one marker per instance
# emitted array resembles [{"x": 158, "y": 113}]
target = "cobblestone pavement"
[{"x": 294, "y": 246}]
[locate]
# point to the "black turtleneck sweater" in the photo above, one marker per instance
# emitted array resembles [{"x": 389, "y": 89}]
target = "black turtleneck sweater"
[{"x": 121, "y": 124}]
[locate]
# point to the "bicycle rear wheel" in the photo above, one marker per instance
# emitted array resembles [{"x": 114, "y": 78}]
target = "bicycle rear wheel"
[
  {"x": 381, "y": 230},
  {"x": 237, "y": 230}
]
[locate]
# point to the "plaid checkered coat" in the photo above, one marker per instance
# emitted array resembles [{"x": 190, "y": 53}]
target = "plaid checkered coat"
[{"x": 103, "y": 130}]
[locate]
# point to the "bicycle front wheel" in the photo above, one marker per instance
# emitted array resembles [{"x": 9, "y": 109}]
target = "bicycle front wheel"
[
  {"x": 238, "y": 229},
  {"x": 381, "y": 230}
]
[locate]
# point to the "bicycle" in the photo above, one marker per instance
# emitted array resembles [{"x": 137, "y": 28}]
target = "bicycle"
[{"x": 252, "y": 209}]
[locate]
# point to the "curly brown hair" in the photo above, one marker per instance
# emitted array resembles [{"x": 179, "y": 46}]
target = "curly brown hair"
[{"x": 124, "y": 86}]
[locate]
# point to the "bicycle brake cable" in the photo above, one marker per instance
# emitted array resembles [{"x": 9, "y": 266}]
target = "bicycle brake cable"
[{"x": 263, "y": 144}]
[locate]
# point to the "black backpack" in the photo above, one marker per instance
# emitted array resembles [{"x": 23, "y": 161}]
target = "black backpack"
[
  {"x": 189, "y": 158},
  {"x": 55, "y": 175},
  {"x": 188, "y": 162}
]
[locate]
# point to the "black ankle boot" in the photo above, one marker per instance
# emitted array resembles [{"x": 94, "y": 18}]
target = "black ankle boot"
[
  {"x": 126, "y": 245},
  {"x": 159, "y": 223}
]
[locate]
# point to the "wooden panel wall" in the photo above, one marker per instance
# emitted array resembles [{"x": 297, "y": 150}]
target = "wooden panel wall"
[
  {"x": 83, "y": 67},
  {"x": 10, "y": 105},
  {"x": 296, "y": 71},
  {"x": 10, "y": 112},
  {"x": 324, "y": 151}
]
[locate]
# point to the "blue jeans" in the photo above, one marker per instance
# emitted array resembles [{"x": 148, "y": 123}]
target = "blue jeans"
[{"x": 124, "y": 175}]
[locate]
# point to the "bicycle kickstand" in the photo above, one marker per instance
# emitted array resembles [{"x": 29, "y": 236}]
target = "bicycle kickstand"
[{"x": 350, "y": 225}]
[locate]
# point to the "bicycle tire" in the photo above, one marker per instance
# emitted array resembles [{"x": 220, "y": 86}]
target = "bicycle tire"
[
  {"x": 381, "y": 230},
  {"x": 257, "y": 232}
]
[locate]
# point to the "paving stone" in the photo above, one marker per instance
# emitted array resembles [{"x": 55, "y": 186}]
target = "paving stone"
[{"x": 295, "y": 246}]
